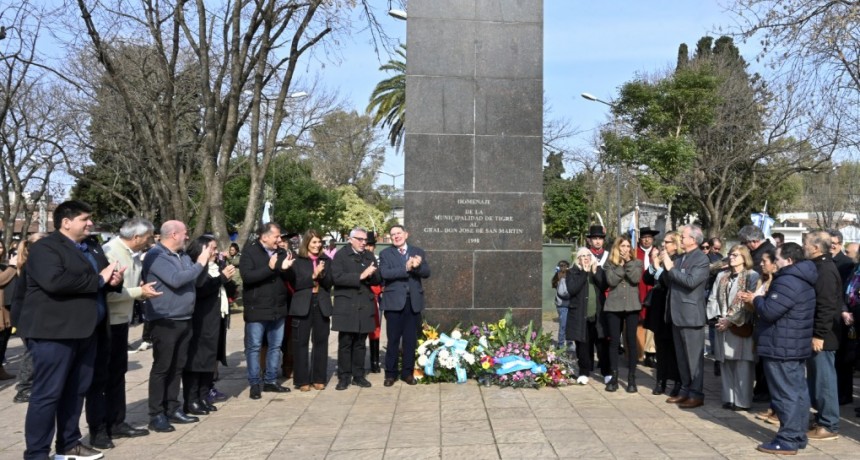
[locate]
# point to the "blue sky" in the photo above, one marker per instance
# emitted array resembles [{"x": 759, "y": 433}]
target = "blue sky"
[{"x": 589, "y": 46}]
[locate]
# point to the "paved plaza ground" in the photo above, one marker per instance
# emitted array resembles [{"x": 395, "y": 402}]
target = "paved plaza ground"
[{"x": 435, "y": 421}]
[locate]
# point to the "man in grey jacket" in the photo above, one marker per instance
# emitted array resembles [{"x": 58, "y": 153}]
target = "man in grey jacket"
[
  {"x": 174, "y": 274},
  {"x": 686, "y": 308}
]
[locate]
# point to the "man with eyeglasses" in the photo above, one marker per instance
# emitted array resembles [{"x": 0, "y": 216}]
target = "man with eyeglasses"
[
  {"x": 354, "y": 271},
  {"x": 686, "y": 305}
]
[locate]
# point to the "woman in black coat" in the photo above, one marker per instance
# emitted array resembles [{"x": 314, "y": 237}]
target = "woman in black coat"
[
  {"x": 310, "y": 310},
  {"x": 206, "y": 324},
  {"x": 658, "y": 322},
  {"x": 586, "y": 289}
]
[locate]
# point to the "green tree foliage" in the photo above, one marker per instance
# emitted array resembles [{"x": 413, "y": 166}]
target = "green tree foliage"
[
  {"x": 565, "y": 205},
  {"x": 697, "y": 137},
  {"x": 299, "y": 202},
  {"x": 357, "y": 212},
  {"x": 388, "y": 100}
]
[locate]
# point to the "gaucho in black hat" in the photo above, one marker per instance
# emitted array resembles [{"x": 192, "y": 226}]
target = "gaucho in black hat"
[{"x": 596, "y": 239}]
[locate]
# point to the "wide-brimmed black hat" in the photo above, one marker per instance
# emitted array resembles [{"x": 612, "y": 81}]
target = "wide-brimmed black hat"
[
  {"x": 647, "y": 231},
  {"x": 596, "y": 230}
]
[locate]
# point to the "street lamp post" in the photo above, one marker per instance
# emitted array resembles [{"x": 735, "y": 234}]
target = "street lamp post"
[
  {"x": 594, "y": 98},
  {"x": 393, "y": 178}
]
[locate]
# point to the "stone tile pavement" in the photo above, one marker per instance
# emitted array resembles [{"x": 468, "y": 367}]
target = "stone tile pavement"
[{"x": 435, "y": 421}]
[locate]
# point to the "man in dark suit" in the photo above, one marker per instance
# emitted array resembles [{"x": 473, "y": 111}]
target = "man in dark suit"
[
  {"x": 354, "y": 270},
  {"x": 65, "y": 302},
  {"x": 402, "y": 267},
  {"x": 686, "y": 307}
]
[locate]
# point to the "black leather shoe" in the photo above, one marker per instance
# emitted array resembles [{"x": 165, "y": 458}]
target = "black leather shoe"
[
  {"x": 196, "y": 408},
  {"x": 256, "y": 392},
  {"x": 410, "y": 380},
  {"x": 79, "y": 452},
  {"x": 100, "y": 440},
  {"x": 160, "y": 424},
  {"x": 181, "y": 417},
  {"x": 342, "y": 384},
  {"x": 361, "y": 382},
  {"x": 22, "y": 396},
  {"x": 124, "y": 430},
  {"x": 389, "y": 381},
  {"x": 374, "y": 368},
  {"x": 209, "y": 406},
  {"x": 274, "y": 388}
]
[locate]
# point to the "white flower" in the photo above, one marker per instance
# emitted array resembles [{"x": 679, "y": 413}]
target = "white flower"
[
  {"x": 469, "y": 358},
  {"x": 483, "y": 341},
  {"x": 444, "y": 354},
  {"x": 422, "y": 360},
  {"x": 456, "y": 335}
]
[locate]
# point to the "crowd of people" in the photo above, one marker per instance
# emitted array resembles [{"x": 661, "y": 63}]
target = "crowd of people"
[
  {"x": 72, "y": 300},
  {"x": 777, "y": 320}
]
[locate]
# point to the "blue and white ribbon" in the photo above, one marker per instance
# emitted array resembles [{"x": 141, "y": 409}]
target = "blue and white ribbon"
[
  {"x": 515, "y": 363},
  {"x": 456, "y": 347}
]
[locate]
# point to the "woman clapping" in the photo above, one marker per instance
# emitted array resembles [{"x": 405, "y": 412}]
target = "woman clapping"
[{"x": 623, "y": 273}]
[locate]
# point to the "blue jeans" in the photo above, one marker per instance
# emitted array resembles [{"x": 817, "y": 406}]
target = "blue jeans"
[
  {"x": 789, "y": 399},
  {"x": 274, "y": 332},
  {"x": 821, "y": 378},
  {"x": 562, "y": 324}
]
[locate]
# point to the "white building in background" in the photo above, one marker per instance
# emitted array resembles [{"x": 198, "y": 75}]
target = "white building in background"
[
  {"x": 651, "y": 215},
  {"x": 795, "y": 224}
]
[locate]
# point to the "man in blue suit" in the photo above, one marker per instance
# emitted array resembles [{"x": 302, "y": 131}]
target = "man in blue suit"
[
  {"x": 402, "y": 268},
  {"x": 65, "y": 311}
]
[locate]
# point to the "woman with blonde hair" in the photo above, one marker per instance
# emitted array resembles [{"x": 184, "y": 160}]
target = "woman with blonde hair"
[
  {"x": 657, "y": 321},
  {"x": 621, "y": 310},
  {"x": 585, "y": 307},
  {"x": 733, "y": 344}
]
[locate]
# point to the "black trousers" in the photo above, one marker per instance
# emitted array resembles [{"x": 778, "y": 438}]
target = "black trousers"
[
  {"x": 196, "y": 385},
  {"x": 615, "y": 320},
  {"x": 106, "y": 398},
  {"x": 5, "y": 334},
  {"x": 401, "y": 326},
  {"x": 844, "y": 360},
  {"x": 311, "y": 327},
  {"x": 25, "y": 370},
  {"x": 351, "y": 348},
  {"x": 169, "y": 352},
  {"x": 667, "y": 361},
  {"x": 585, "y": 351}
]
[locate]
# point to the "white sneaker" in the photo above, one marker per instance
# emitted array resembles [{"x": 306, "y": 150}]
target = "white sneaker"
[
  {"x": 582, "y": 380},
  {"x": 144, "y": 346}
]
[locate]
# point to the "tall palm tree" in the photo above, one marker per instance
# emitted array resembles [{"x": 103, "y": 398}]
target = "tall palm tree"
[{"x": 388, "y": 100}]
